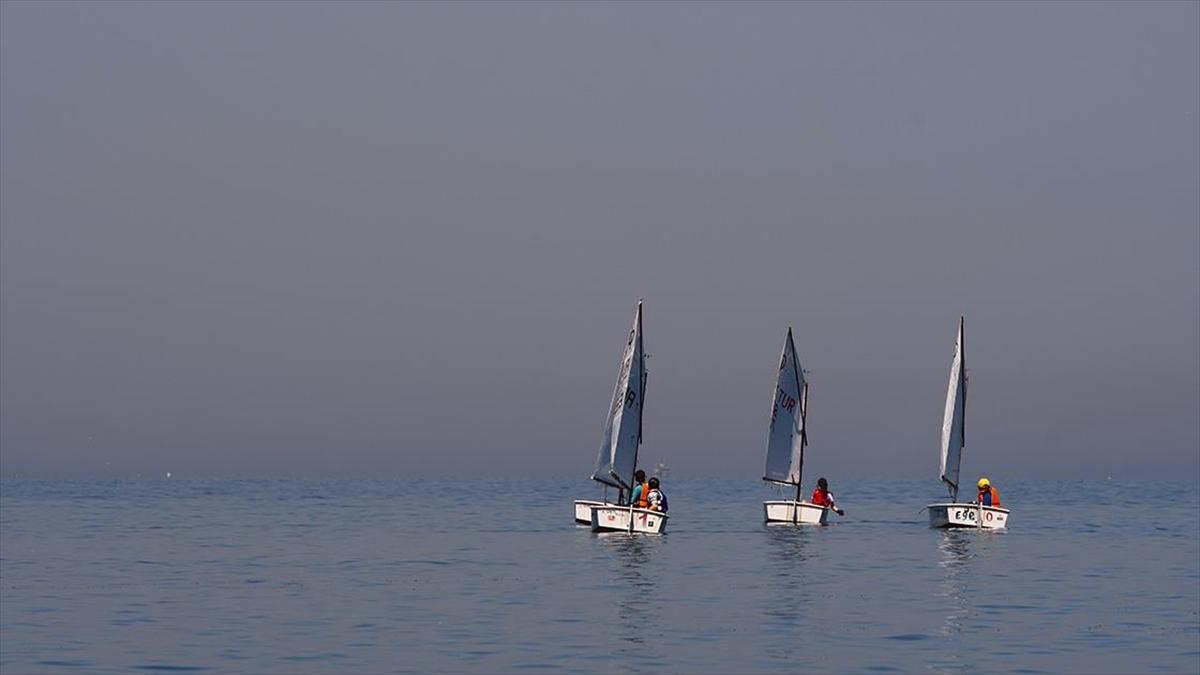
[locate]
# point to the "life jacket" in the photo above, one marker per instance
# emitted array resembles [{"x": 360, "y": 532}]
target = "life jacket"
[
  {"x": 993, "y": 492},
  {"x": 643, "y": 499},
  {"x": 822, "y": 497},
  {"x": 662, "y": 499}
]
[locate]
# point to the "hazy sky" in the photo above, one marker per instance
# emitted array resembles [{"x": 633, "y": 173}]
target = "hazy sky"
[{"x": 389, "y": 239}]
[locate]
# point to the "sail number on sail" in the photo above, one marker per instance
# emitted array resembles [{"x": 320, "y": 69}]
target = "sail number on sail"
[
  {"x": 781, "y": 399},
  {"x": 628, "y": 396}
]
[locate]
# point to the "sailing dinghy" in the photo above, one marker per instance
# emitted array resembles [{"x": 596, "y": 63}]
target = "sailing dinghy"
[
  {"x": 617, "y": 458},
  {"x": 786, "y": 441},
  {"x": 955, "y": 513}
]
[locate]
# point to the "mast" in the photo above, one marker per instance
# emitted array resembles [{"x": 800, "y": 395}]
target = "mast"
[
  {"x": 803, "y": 440},
  {"x": 803, "y": 415},
  {"x": 641, "y": 352},
  {"x": 641, "y": 406},
  {"x": 962, "y": 414},
  {"x": 962, "y": 351}
]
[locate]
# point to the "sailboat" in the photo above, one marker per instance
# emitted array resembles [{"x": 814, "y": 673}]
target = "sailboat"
[
  {"x": 786, "y": 441},
  {"x": 617, "y": 458},
  {"x": 955, "y": 513}
]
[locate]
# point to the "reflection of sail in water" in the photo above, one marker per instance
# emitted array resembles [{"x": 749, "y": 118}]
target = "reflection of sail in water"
[
  {"x": 955, "y": 547},
  {"x": 636, "y": 605},
  {"x": 792, "y": 552}
]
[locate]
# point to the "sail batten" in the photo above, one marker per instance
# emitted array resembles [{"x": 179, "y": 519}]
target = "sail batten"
[
  {"x": 786, "y": 436},
  {"x": 953, "y": 421},
  {"x": 617, "y": 457}
]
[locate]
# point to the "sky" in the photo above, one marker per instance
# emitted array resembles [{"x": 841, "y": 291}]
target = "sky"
[{"x": 406, "y": 239}]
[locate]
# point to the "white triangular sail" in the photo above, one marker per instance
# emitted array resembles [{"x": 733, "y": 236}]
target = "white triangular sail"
[
  {"x": 786, "y": 438},
  {"x": 953, "y": 436},
  {"x": 623, "y": 428}
]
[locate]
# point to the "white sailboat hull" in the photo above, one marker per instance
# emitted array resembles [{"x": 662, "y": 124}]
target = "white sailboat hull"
[
  {"x": 583, "y": 510},
  {"x": 791, "y": 511},
  {"x": 961, "y": 514},
  {"x": 613, "y": 518}
]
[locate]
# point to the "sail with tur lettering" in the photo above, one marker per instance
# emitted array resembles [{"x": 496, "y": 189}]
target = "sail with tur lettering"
[
  {"x": 617, "y": 458},
  {"x": 786, "y": 437},
  {"x": 953, "y": 432}
]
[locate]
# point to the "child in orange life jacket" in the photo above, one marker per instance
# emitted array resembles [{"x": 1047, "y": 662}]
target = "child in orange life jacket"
[
  {"x": 821, "y": 496},
  {"x": 988, "y": 495},
  {"x": 638, "y": 498},
  {"x": 658, "y": 500}
]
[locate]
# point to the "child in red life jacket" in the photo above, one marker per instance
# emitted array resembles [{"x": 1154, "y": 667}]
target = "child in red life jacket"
[{"x": 821, "y": 496}]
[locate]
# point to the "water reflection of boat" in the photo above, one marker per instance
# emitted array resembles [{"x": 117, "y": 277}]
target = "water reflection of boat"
[
  {"x": 792, "y": 552},
  {"x": 636, "y": 606},
  {"x": 788, "y": 547},
  {"x": 955, "y": 547}
]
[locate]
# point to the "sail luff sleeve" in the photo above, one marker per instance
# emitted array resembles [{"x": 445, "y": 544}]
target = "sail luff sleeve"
[{"x": 952, "y": 421}]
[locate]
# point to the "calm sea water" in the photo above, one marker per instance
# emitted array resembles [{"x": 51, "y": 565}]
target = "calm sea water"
[{"x": 493, "y": 576}]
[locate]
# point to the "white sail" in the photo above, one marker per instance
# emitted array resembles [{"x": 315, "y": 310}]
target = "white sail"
[
  {"x": 623, "y": 428},
  {"x": 786, "y": 437},
  {"x": 953, "y": 423}
]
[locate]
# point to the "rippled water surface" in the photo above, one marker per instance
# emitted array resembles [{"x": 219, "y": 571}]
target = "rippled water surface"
[{"x": 493, "y": 576}]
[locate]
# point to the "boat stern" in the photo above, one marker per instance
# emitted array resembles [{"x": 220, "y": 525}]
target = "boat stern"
[
  {"x": 611, "y": 518},
  {"x": 967, "y": 515},
  {"x": 795, "y": 512}
]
